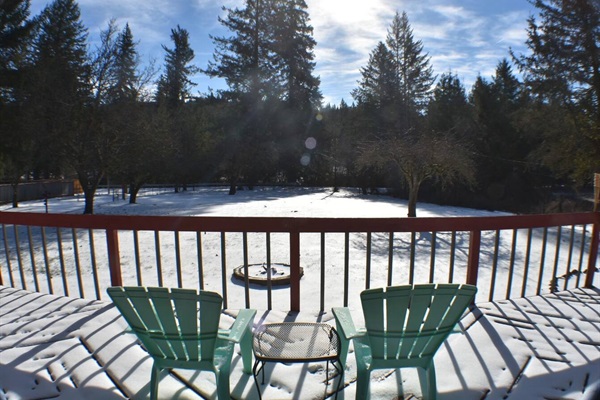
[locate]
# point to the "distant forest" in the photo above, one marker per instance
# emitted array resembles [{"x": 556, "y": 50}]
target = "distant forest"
[{"x": 70, "y": 111}]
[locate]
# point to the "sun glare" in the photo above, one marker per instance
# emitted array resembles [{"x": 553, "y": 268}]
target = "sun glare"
[{"x": 348, "y": 11}]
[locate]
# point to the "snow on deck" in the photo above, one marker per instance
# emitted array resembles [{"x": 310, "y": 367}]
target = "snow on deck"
[{"x": 542, "y": 347}]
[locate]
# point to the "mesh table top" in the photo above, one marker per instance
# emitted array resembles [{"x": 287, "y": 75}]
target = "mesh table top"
[{"x": 296, "y": 342}]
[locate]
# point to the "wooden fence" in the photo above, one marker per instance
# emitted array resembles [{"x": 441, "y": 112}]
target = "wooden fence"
[{"x": 39, "y": 189}]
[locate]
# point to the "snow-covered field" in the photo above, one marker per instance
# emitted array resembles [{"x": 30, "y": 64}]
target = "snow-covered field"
[
  {"x": 283, "y": 202},
  {"x": 532, "y": 337}
]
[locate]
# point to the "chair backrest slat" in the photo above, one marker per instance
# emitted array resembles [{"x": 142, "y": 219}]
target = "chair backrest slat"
[
  {"x": 161, "y": 300},
  {"x": 122, "y": 301},
  {"x": 143, "y": 305},
  {"x": 210, "y": 312},
  {"x": 460, "y": 301},
  {"x": 375, "y": 323},
  {"x": 185, "y": 302},
  {"x": 398, "y": 299},
  {"x": 420, "y": 299},
  {"x": 434, "y": 331}
]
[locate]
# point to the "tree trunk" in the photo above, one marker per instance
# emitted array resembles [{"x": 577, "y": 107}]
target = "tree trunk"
[
  {"x": 413, "y": 192},
  {"x": 233, "y": 180},
  {"x": 89, "y": 185},
  {"x": 15, "y": 194},
  {"x": 89, "y": 193},
  {"x": 133, "y": 192}
]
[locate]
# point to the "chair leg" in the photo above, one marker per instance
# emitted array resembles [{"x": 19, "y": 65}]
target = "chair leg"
[
  {"x": 154, "y": 382},
  {"x": 223, "y": 390},
  {"x": 362, "y": 384},
  {"x": 246, "y": 349},
  {"x": 432, "y": 393},
  {"x": 428, "y": 384}
]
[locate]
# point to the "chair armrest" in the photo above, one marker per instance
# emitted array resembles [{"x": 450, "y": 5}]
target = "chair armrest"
[
  {"x": 347, "y": 330},
  {"x": 344, "y": 322},
  {"x": 243, "y": 323}
]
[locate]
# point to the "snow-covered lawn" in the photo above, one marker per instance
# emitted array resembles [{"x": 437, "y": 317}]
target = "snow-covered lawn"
[
  {"x": 552, "y": 342},
  {"x": 292, "y": 202}
]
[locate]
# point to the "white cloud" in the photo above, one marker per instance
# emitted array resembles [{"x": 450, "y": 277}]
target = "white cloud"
[
  {"x": 450, "y": 57},
  {"x": 510, "y": 29},
  {"x": 350, "y": 24},
  {"x": 348, "y": 12},
  {"x": 346, "y": 32},
  {"x": 133, "y": 9},
  {"x": 209, "y": 4},
  {"x": 450, "y": 10}
]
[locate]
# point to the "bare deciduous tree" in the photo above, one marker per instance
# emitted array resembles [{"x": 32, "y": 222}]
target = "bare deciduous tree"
[{"x": 421, "y": 157}]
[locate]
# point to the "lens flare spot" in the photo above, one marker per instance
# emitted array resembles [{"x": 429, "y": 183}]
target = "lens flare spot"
[
  {"x": 319, "y": 117},
  {"x": 310, "y": 143},
  {"x": 305, "y": 160}
]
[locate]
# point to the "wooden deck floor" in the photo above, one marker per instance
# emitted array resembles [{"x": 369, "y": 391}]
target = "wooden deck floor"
[{"x": 542, "y": 347}]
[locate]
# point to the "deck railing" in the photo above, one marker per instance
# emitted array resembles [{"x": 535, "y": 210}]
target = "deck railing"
[{"x": 505, "y": 256}]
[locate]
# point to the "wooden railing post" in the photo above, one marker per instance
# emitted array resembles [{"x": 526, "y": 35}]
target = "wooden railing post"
[
  {"x": 294, "y": 271},
  {"x": 473, "y": 263},
  {"x": 591, "y": 269},
  {"x": 114, "y": 259}
]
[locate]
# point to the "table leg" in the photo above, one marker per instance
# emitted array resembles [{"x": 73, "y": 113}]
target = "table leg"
[
  {"x": 341, "y": 375},
  {"x": 255, "y": 372}
]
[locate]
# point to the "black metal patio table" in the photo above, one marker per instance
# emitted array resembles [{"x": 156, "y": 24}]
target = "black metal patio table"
[{"x": 296, "y": 342}]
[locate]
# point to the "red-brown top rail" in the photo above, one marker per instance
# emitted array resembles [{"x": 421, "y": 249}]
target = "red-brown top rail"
[{"x": 285, "y": 224}]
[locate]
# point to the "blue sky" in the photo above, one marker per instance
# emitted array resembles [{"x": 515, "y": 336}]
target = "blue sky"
[{"x": 467, "y": 37}]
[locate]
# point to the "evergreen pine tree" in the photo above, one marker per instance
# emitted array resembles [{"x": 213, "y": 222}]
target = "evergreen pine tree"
[
  {"x": 173, "y": 93},
  {"x": 125, "y": 79},
  {"x": 174, "y": 85},
  {"x": 293, "y": 47},
  {"x": 268, "y": 65},
  {"x": 505, "y": 176},
  {"x": 300, "y": 97},
  {"x": 377, "y": 87},
  {"x": 17, "y": 141},
  {"x": 15, "y": 37},
  {"x": 138, "y": 136},
  {"x": 60, "y": 71},
  {"x": 563, "y": 71},
  {"x": 377, "y": 92},
  {"x": 245, "y": 60},
  {"x": 414, "y": 74},
  {"x": 449, "y": 111},
  {"x": 397, "y": 80}
]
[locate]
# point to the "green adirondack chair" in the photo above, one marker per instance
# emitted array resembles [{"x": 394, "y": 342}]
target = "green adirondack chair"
[
  {"x": 405, "y": 326},
  {"x": 180, "y": 329}
]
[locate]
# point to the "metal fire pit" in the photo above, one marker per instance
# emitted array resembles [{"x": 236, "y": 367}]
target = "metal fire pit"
[{"x": 258, "y": 273}]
